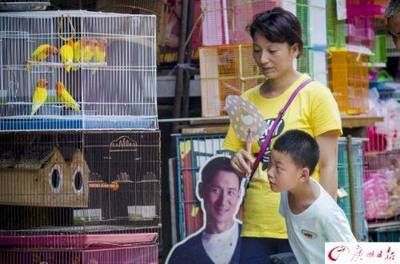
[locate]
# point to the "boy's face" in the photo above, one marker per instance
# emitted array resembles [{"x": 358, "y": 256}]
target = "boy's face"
[{"x": 283, "y": 173}]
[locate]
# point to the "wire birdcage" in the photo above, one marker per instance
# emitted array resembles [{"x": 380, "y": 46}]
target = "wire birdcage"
[
  {"x": 105, "y": 248},
  {"x": 80, "y": 183},
  {"x": 344, "y": 174},
  {"x": 153, "y": 7},
  {"x": 77, "y": 70}
]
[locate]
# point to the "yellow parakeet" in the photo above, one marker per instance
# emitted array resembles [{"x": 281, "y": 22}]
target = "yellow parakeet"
[
  {"x": 65, "y": 98},
  {"x": 88, "y": 50},
  {"x": 100, "y": 52},
  {"x": 39, "y": 95},
  {"x": 67, "y": 54},
  {"x": 42, "y": 52},
  {"x": 78, "y": 45}
]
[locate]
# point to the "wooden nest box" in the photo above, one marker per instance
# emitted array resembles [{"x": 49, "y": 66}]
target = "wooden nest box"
[{"x": 44, "y": 178}]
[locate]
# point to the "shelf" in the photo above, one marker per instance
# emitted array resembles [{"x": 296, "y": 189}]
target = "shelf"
[
  {"x": 87, "y": 65},
  {"x": 359, "y": 49},
  {"x": 375, "y": 65},
  {"x": 200, "y": 125},
  {"x": 359, "y": 120},
  {"x": 383, "y": 225}
]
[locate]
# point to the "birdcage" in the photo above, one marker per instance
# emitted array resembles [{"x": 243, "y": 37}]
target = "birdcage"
[
  {"x": 153, "y": 7},
  {"x": 77, "y": 70},
  {"x": 192, "y": 153},
  {"x": 348, "y": 80},
  {"x": 382, "y": 185},
  {"x": 313, "y": 60},
  {"x": 225, "y": 21},
  {"x": 225, "y": 70},
  {"x": 389, "y": 233},
  {"x": 336, "y": 29},
  {"x": 380, "y": 52},
  {"x": 60, "y": 249},
  {"x": 352, "y": 167},
  {"x": 369, "y": 8},
  {"x": 80, "y": 182}
]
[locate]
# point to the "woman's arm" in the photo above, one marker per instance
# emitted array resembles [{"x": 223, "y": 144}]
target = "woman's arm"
[{"x": 327, "y": 143}]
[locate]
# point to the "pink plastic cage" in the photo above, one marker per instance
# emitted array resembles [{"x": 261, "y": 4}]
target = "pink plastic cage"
[
  {"x": 365, "y": 10},
  {"x": 376, "y": 141},
  {"x": 382, "y": 185},
  {"x": 360, "y": 31},
  {"x": 59, "y": 249},
  {"x": 225, "y": 21}
]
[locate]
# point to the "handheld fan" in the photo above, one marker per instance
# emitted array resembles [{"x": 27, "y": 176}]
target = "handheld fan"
[{"x": 245, "y": 118}]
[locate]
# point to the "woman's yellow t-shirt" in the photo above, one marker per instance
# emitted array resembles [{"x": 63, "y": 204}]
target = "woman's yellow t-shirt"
[{"x": 315, "y": 111}]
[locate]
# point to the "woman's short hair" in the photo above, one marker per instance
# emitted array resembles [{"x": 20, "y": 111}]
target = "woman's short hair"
[{"x": 278, "y": 25}]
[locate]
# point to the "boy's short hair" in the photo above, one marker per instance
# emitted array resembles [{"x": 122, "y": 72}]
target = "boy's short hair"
[
  {"x": 213, "y": 166},
  {"x": 301, "y": 147}
]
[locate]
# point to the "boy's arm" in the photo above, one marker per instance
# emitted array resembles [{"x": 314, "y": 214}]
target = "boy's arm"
[{"x": 337, "y": 228}]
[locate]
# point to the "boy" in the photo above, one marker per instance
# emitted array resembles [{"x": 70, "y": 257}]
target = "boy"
[{"x": 312, "y": 216}]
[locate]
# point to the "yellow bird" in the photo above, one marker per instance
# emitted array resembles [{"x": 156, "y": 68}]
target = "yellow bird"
[
  {"x": 39, "y": 95},
  {"x": 65, "y": 98},
  {"x": 88, "y": 50},
  {"x": 78, "y": 52},
  {"x": 67, "y": 54},
  {"x": 100, "y": 52},
  {"x": 41, "y": 53}
]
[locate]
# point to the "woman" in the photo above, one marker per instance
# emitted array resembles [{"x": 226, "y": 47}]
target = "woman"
[{"x": 277, "y": 43}]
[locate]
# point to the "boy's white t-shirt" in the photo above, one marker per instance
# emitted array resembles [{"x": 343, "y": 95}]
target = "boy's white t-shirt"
[{"x": 324, "y": 221}]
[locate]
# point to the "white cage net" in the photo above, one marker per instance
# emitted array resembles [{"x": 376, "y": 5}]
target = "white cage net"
[{"x": 77, "y": 70}]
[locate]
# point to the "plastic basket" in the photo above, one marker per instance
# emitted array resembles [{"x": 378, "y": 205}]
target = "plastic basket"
[
  {"x": 348, "y": 80},
  {"x": 225, "y": 70}
]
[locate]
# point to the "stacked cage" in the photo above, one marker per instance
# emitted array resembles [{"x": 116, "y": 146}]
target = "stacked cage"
[
  {"x": 312, "y": 16},
  {"x": 226, "y": 64},
  {"x": 382, "y": 185},
  {"x": 351, "y": 30},
  {"x": 348, "y": 80},
  {"x": 79, "y": 139},
  {"x": 350, "y": 185}
]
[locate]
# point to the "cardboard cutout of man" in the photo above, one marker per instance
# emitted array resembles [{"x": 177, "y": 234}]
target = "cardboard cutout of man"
[{"x": 218, "y": 241}]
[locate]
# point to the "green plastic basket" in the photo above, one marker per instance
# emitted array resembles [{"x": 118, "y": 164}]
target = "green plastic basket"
[
  {"x": 336, "y": 29},
  {"x": 380, "y": 51}
]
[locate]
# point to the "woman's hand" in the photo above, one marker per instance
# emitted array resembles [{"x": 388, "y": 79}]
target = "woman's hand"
[{"x": 242, "y": 162}]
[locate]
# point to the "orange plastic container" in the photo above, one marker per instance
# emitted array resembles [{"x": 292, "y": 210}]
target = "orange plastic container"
[
  {"x": 348, "y": 80},
  {"x": 225, "y": 70}
]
